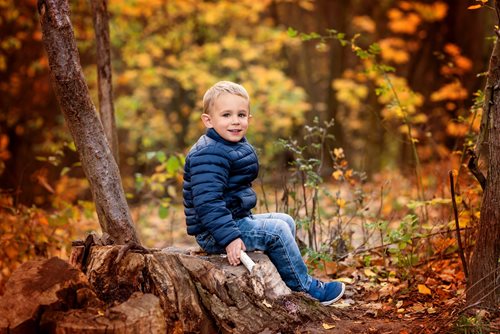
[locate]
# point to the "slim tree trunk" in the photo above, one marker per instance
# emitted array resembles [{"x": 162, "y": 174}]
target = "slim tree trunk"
[
  {"x": 73, "y": 94},
  {"x": 484, "y": 284},
  {"x": 100, "y": 18}
]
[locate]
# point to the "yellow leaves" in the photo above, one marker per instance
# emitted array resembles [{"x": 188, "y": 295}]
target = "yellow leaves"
[
  {"x": 394, "y": 49},
  {"x": 143, "y": 60},
  {"x": 136, "y": 8},
  {"x": 231, "y": 63},
  {"x": 364, "y": 23},
  {"x": 350, "y": 92},
  {"x": 450, "y": 91},
  {"x": 423, "y": 289},
  {"x": 369, "y": 273},
  {"x": 341, "y": 202},
  {"x": 408, "y": 101}
]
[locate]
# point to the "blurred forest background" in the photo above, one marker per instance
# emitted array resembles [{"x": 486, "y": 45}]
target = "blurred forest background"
[{"x": 402, "y": 80}]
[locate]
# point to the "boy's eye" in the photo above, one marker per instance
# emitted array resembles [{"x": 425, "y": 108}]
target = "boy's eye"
[
  {"x": 243, "y": 115},
  {"x": 225, "y": 115}
]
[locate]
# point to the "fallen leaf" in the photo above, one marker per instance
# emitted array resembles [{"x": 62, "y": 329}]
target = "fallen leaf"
[
  {"x": 328, "y": 326},
  {"x": 373, "y": 296},
  {"x": 424, "y": 289},
  {"x": 418, "y": 308},
  {"x": 368, "y": 272},
  {"x": 331, "y": 267},
  {"x": 346, "y": 280}
]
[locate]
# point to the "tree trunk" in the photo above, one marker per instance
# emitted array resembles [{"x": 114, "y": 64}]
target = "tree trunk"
[
  {"x": 100, "y": 18},
  {"x": 73, "y": 94},
  {"x": 484, "y": 284}
]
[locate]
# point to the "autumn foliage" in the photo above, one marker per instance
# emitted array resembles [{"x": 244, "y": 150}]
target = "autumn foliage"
[{"x": 370, "y": 190}]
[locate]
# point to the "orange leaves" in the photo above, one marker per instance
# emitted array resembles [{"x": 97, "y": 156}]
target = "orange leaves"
[
  {"x": 4, "y": 152},
  {"x": 404, "y": 23},
  {"x": 423, "y": 289},
  {"x": 364, "y": 23},
  {"x": 479, "y": 5},
  {"x": 394, "y": 49},
  {"x": 431, "y": 12},
  {"x": 457, "y": 63},
  {"x": 451, "y": 91}
]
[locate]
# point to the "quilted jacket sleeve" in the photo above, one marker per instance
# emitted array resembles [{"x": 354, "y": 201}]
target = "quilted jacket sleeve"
[{"x": 209, "y": 179}]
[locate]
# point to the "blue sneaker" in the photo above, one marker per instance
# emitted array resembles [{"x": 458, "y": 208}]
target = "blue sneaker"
[{"x": 326, "y": 293}]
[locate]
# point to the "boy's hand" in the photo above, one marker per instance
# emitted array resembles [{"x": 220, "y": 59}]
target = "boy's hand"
[{"x": 233, "y": 251}]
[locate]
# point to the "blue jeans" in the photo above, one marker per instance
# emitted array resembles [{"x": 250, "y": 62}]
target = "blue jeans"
[{"x": 273, "y": 233}]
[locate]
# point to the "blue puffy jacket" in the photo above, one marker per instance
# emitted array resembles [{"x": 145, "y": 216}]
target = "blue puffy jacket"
[{"x": 217, "y": 186}]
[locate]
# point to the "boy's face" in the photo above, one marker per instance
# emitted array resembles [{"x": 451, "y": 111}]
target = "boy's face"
[{"x": 229, "y": 116}]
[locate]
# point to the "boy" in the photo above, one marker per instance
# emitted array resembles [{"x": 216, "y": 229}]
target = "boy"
[{"x": 218, "y": 196}]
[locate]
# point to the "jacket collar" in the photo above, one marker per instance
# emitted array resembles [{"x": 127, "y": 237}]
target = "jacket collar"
[{"x": 211, "y": 133}]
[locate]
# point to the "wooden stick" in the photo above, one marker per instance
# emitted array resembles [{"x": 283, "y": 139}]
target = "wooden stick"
[{"x": 247, "y": 261}]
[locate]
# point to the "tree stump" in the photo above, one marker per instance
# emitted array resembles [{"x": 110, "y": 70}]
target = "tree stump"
[
  {"x": 204, "y": 293},
  {"x": 166, "y": 291}
]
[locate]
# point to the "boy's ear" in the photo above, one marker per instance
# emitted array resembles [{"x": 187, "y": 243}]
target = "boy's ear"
[{"x": 206, "y": 120}]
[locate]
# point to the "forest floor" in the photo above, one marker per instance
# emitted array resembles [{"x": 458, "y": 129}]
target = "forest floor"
[{"x": 381, "y": 296}]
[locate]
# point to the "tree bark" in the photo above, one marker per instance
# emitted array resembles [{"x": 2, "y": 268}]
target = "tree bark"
[
  {"x": 100, "y": 17},
  {"x": 73, "y": 95},
  {"x": 484, "y": 284}
]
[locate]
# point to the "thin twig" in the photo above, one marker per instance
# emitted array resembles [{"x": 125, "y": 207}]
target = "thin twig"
[{"x": 457, "y": 226}]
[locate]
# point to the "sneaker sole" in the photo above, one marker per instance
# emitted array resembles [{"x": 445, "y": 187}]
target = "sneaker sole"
[{"x": 331, "y": 301}]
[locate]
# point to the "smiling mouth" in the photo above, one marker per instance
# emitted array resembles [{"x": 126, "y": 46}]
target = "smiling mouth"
[{"x": 234, "y": 131}]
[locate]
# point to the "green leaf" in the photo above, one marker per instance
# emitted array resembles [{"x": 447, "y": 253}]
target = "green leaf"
[
  {"x": 72, "y": 146},
  {"x": 65, "y": 170},
  {"x": 160, "y": 155},
  {"x": 163, "y": 212},
  {"x": 374, "y": 49},
  {"x": 292, "y": 32},
  {"x": 173, "y": 165}
]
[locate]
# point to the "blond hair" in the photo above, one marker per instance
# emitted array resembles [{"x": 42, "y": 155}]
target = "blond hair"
[{"x": 223, "y": 87}]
